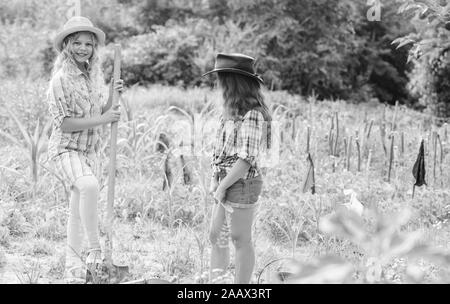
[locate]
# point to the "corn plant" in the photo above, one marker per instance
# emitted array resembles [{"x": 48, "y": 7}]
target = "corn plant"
[
  {"x": 196, "y": 121},
  {"x": 292, "y": 223},
  {"x": 34, "y": 143},
  {"x": 29, "y": 273},
  {"x": 136, "y": 140}
]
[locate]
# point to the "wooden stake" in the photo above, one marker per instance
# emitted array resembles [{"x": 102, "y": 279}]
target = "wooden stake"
[
  {"x": 383, "y": 137},
  {"x": 349, "y": 152},
  {"x": 370, "y": 129},
  {"x": 345, "y": 151},
  {"x": 293, "y": 127},
  {"x": 441, "y": 158},
  {"x": 403, "y": 144},
  {"x": 112, "y": 163},
  {"x": 391, "y": 157},
  {"x": 435, "y": 139},
  {"x": 337, "y": 136},
  {"x": 445, "y": 133},
  {"x": 394, "y": 120},
  {"x": 358, "y": 148},
  {"x": 369, "y": 159},
  {"x": 331, "y": 136},
  {"x": 308, "y": 139}
]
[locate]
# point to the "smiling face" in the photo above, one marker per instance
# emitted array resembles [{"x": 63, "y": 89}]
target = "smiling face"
[{"x": 83, "y": 47}]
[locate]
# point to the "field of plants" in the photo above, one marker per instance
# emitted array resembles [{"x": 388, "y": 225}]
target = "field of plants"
[{"x": 363, "y": 156}]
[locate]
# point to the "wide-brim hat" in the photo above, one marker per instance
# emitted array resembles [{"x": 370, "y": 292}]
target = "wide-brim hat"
[
  {"x": 235, "y": 63},
  {"x": 78, "y": 24}
]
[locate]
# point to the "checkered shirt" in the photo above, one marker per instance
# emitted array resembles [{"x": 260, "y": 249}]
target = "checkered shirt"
[
  {"x": 71, "y": 95},
  {"x": 239, "y": 139}
]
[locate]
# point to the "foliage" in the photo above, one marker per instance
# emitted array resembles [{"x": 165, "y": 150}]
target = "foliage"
[
  {"x": 429, "y": 48},
  {"x": 165, "y": 233},
  {"x": 174, "y": 42}
]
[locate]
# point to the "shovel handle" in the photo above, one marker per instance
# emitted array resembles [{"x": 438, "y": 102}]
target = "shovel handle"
[{"x": 112, "y": 162}]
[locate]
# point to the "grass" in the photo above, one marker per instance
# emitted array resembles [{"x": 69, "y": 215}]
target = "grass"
[{"x": 163, "y": 233}]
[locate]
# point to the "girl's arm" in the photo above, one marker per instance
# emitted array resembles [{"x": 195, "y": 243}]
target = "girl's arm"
[
  {"x": 80, "y": 124},
  {"x": 214, "y": 183},
  {"x": 237, "y": 172}
]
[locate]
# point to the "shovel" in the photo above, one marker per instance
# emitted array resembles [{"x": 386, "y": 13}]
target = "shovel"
[{"x": 108, "y": 271}]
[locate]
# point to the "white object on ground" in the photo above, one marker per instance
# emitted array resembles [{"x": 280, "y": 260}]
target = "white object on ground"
[{"x": 354, "y": 205}]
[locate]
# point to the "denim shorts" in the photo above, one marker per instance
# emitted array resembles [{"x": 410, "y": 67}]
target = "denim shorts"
[{"x": 244, "y": 194}]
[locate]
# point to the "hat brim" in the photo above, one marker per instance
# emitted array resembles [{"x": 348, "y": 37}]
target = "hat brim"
[
  {"x": 101, "y": 37},
  {"x": 231, "y": 70}
]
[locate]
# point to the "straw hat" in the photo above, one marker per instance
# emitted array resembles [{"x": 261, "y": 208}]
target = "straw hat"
[
  {"x": 78, "y": 24},
  {"x": 235, "y": 63}
]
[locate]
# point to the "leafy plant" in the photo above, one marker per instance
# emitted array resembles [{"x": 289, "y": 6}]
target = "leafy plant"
[{"x": 34, "y": 143}]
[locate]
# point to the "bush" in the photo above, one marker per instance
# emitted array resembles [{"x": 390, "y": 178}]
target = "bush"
[{"x": 4, "y": 237}]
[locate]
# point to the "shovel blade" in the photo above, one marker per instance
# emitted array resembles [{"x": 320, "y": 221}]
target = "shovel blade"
[{"x": 107, "y": 275}]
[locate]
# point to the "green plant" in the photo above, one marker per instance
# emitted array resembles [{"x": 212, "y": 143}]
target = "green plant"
[
  {"x": 34, "y": 143},
  {"x": 384, "y": 244},
  {"x": 29, "y": 272}
]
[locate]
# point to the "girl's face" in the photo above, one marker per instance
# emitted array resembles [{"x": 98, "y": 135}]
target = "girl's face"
[{"x": 83, "y": 47}]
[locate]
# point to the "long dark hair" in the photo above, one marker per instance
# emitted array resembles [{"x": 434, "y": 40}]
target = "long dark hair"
[{"x": 242, "y": 94}]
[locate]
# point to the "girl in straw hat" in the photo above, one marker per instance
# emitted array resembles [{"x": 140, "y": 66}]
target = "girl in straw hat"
[
  {"x": 79, "y": 107},
  {"x": 237, "y": 181}
]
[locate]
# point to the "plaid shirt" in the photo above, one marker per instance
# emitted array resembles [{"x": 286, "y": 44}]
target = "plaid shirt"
[
  {"x": 238, "y": 139},
  {"x": 71, "y": 95}
]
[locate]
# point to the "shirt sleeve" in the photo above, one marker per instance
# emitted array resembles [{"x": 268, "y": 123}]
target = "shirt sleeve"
[
  {"x": 249, "y": 136},
  {"x": 60, "y": 106}
]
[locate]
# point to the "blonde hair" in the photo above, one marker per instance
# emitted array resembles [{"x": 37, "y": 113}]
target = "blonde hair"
[{"x": 65, "y": 62}]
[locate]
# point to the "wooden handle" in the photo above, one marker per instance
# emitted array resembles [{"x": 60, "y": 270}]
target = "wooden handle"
[{"x": 112, "y": 162}]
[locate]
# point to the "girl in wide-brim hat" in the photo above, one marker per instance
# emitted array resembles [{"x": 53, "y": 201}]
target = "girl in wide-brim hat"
[
  {"x": 237, "y": 180},
  {"x": 79, "y": 107}
]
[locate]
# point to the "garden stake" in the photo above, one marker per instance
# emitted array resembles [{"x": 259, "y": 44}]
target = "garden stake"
[
  {"x": 445, "y": 132},
  {"x": 383, "y": 137},
  {"x": 349, "y": 152},
  {"x": 331, "y": 136},
  {"x": 337, "y": 135},
  {"x": 293, "y": 128},
  {"x": 391, "y": 157},
  {"x": 358, "y": 147},
  {"x": 113, "y": 270},
  {"x": 441, "y": 158},
  {"x": 369, "y": 159},
  {"x": 368, "y": 136},
  {"x": 403, "y": 145},
  {"x": 394, "y": 120},
  {"x": 434, "y": 155},
  {"x": 308, "y": 139},
  {"x": 345, "y": 152}
]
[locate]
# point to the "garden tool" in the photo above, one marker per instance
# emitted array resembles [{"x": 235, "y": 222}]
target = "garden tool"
[{"x": 108, "y": 271}]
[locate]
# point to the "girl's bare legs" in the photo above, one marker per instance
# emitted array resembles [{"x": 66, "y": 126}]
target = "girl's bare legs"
[
  {"x": 83, "y": 218},
  {"x": 74, "y": 232},
  {"x": 89, "y": 191},
  {"x": 219, "y": 238},
  {"x": 241, "y": 235}
]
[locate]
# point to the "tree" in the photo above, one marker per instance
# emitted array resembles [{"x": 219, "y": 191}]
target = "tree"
[{"x": 429, "y": 46}]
